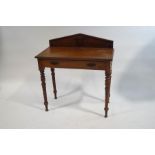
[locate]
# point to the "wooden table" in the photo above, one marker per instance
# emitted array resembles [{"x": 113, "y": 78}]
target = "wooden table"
[{"x": 77, "y": 51}]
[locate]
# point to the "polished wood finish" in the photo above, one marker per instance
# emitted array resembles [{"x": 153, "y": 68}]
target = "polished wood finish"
[{"x": 77, "y": 51}]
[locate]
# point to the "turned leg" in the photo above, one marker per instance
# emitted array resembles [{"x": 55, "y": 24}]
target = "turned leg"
[
  {"x": 107, "y": 90},
  {"x": 54, "y": 83},
  {"x": 43, "y": 83}
]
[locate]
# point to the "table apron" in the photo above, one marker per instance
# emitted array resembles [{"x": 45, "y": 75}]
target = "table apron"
[{"x": 76, "y": 64}]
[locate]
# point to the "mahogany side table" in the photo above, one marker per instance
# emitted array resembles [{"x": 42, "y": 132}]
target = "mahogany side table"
[{"x": 79, "y": 51}]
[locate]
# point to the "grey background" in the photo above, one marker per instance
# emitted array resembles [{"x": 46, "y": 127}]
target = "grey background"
[{"x": 80, "y": 101}]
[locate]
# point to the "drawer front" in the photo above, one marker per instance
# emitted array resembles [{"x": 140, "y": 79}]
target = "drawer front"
[{"x": 95, "y": 65}]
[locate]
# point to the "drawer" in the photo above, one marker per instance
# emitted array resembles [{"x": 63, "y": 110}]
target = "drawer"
[{"x": 95, "y": 65}]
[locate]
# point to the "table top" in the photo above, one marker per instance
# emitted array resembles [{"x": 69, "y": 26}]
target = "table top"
[{"x": 77, "y": 53}]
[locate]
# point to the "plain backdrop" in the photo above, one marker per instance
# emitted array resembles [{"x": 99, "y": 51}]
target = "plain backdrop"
[{"x": 80, "y": 102}]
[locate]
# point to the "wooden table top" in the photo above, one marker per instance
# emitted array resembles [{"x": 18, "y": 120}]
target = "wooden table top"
[{"x": 77, "y": 53}]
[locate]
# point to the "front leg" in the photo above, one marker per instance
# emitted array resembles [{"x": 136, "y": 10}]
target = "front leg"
[
  {"x": 43, "y": 83},
  {"x": 107, "y": 88}
]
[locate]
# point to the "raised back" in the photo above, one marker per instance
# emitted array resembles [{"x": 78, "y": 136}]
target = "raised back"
[{"x": 81, "y": 40}]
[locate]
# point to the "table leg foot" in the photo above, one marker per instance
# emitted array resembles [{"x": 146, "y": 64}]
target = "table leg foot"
[
  {"x": 106, "y": 112},
  {"x": 46, "y": 106}
]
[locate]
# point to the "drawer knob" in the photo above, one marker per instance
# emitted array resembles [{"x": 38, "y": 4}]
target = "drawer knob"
[
  {"x": 54, "y": 62},
  {"x": 91, "y": 64}
]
